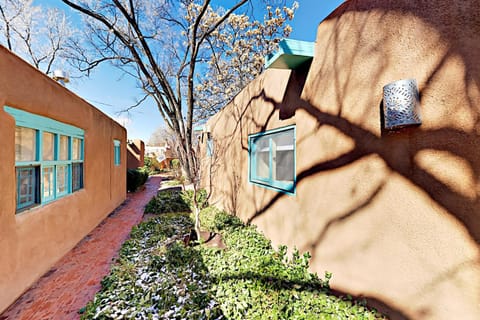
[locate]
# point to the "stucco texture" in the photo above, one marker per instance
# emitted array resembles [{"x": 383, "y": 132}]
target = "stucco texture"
[
  {"x": 33, "y": 240},
  {"x": 393, "y": 215}
]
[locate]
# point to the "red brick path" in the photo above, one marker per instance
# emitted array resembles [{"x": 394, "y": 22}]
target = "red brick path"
[{"x": 74, "y": 280}]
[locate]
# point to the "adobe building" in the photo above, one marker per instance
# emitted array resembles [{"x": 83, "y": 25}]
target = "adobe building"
[
  {"x": 164, "y": 154},
  {"x": 135, "y": 154},
  {"x": 62, "y": 171},
  {"x": 307, "y": 154}
]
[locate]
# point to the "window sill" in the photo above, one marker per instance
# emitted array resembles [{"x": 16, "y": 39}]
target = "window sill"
[{"x": 290, "y": 192}]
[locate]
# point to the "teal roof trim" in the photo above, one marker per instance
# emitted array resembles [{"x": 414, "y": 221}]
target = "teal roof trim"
[
  {"x": 290, "y": 55},
  {"x": 30, "y": 120}
]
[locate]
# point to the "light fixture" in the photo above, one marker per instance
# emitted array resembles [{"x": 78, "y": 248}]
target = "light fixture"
[
  {"x": 400, "y": 104},
  {"x": 61, "y": 77}
]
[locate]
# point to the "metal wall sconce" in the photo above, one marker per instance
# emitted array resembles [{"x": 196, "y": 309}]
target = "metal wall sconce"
[{"x": 400, "y": 104}]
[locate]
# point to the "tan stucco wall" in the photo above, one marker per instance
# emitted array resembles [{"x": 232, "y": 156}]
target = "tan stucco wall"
[
  {"x": 394, "y": 216},
  {"x": 135, "y": 154},
  {"x": 32, "y": 241}
]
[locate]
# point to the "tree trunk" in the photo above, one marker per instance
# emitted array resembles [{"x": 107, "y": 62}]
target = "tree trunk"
[{"x": 196, "y": 210}]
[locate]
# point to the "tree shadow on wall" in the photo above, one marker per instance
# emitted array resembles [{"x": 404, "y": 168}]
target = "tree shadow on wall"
[
  {"x": 400, "y": 150},
  {"x": 450, "y": 140},
  {"x": 407, "y": 143}
]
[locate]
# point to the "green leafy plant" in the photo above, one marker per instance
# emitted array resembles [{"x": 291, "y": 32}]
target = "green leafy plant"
[
  {"x": 175, "y": 163},
  {"x": 202, "y": 195},
  {"x": 172, "y": 183},
  {"x": 136, "y": 178},
  {"x": 167, "y": 201},
  {"x": 157, "y": 276},
  {"x": 151, "y": 165}
]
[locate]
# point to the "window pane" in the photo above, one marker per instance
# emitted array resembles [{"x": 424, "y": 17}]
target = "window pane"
[
  {"x": 48, "y": 184},
  {"x": 209, "y": 147},
  {"x": 262, "y": 157},
  {"x": 76, "y": 149},
  {"x": 25, "y": 144},
  {"x": 116, "y": 152},
  {"x": 48, "y": 146},
  {"x": 272, "y": 159},
  {"x": 283, "y": 156},
  {"x": 77, "y": 176},
  {"x": 62, "y": 180},
  {"x": 26, "y": 187},
  {"x": 63, "y": 148}
]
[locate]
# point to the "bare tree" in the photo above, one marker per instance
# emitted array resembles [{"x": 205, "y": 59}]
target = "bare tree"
[
  {"x": 160, "y": 136},
  {"x": 165, "y": 45},
  {"x": 36, "y": 34}
]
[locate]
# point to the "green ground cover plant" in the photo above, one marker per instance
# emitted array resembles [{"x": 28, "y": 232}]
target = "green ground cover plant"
[
  {"x": 170, "y": 201},
  {"x": 158, "y": 277},
  {"x": 172, "y": 183},
  {"x": 167, "y": 201}
]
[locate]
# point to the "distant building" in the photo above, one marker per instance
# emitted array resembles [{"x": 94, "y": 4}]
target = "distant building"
[
  {"x": 135, "y": 153},
  {"x": 164, "y": 154}
]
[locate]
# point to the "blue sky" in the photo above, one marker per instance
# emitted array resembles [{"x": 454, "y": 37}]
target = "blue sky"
[{"x": 111, "y": 92}]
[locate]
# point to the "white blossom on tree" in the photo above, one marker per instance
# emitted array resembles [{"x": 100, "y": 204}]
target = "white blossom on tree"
[
  {"x": 239, "y": 48},
  {"x": 167, "y": 44}
]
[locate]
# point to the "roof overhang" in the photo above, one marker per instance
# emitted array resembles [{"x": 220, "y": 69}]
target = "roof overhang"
[{"x": 290, "y": 55}]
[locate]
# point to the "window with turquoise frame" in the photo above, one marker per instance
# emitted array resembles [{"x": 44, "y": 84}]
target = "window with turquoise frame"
[
  {"x": 48, "y": 158},
  {"x": 116, "y": 152},
  {"x": 48, "y": 180},
  {"x": 62, "y": 180},
  {"x": 77, "y": 164},
  {"x": 27, "y": 188},
  {"x": 272, "y": 159}
]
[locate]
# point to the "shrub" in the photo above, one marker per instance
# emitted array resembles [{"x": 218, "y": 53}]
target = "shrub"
[
  {"x": 223, "y": 220},
  {"x": 151, "y": 165},
  {"x": 175, "y": 164},
  {"x": 136, "y": 178},
  {"x": 202, "y": 195},
  {"x": 167, "y": 201}
]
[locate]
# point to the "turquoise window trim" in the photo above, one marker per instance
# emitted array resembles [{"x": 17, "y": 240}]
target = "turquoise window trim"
[
  {"x": 30, "y": 120},
  {"x": 81, "y": 150},
  {"x": 116, "y": 152},
  {"x": 52, "y": 184},
  {"x": 77, "y": 184},
  {"x": 38, "y": 151},
  {"x": 32, "y": 183},
  {"x": 270, "y": 183},
  {"x": 62, "y": 174},
  {"x": 42, "y": 124}
]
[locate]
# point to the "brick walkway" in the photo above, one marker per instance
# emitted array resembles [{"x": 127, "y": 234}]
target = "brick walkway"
[{"x": 74, "y": 280}]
